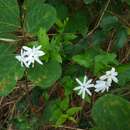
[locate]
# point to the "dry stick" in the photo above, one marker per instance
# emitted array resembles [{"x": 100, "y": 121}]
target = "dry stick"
[
  {"x": 100, "y": 19},
  {"x": 16, "y": 100},
  {"x": 126, "y": 57},
  {"x": 98, "y": 23},
  {"x": 110, "y": 42},
  {"x": 66, "y": 127},
  {"x": 1, "y": 100},
  {"x": 13, "y": 41},
  {"x": 6, "y": 40}
]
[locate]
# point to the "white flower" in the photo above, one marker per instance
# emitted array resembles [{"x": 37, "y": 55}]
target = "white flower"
[
  {"x": 28, "y": 56},
  {"x": 101, "y": 86},
  {"x": 84, "y": 87},
  {"x": 106, "y": 80},
  {"x": 110, "y": 76}
]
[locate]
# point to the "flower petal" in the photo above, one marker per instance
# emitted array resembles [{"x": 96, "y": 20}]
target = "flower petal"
[
  {"x": 83, "y": 95},
  {"x": 115, "y": 79},
  {"x": 39, "y": 61},
  {"x": 85, "y": 79},
  {"x": 26, "y": 48},
  {"x": 79, "y": 81},
  {"x": 77, "y": 88},
  {"x": 89, "y": 93},
  {"x": 89, "y": 81},
  {"x": 103, "y": 77}
]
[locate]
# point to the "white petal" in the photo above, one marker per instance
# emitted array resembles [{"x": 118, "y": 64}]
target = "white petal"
[
  {"x": 41, "y": 53},
  {"x": 18, "y": 57},
  {"x": 39, "y": 61},
  {"x": 109, "y": 81},
  {"x": 107, "y": 89},
  {"x": 103, "y": 77},
  {"x": 39, "y": 47},
  {"x": 80, "y": 92},
  {"x": 115, "y": 79},
  {"x": 90, "y": 86},
  {"x": 113, "y": 69},
  {"x": 108, "y": 84},
  {"x": 83, "y": 95},
  {"x": 97, "y": 90},
  {"x": 89, "y": 93},
  {"x": 79, "y": 81},
  {"x": 27, "y": 64},
  {"x": 85, "y": 79},
  {"x": 26, "y": 48},
  {"x": 115, "y": 73},
  {"x": 102, "y": 91},
  {"x": 108, "y": 73},
  {"x": 89, "y": 81},
  {"x": 77, "y": 88}
]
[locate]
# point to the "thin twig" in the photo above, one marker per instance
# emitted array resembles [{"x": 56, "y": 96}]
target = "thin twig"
[
  {"x": 100, "y": 19},
  {"x": 110, "y": 42},
  {"x": 122, "y": 20},
  {"x": 97, "y": 24},
  {"x": 126, "y": 57},
  {"x": 6, "y": 40},
  {"x": 65, "y": 127},
  {"x": 1, "y": 100}
]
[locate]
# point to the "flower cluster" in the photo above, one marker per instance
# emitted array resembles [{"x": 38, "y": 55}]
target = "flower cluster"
[
  {"x": 104, "y": 83},
  {"x": 28, "y": 56}
]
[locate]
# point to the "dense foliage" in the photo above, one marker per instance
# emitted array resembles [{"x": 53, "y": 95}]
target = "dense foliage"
[{"x": 72, "y": 40}]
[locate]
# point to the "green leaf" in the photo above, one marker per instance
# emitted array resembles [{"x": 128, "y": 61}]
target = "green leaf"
[
  {"x": 78, "y": 22},
  {"x": 88, "y": 1},
  {"x": 104, "y": 61},
  {"x": 111, "y": 113},
  {"x": 121, "y": 37},
  {"x": 84, "y": 60},
  {"x": 43, "y": 39},
  {"x": 51, "y": 111},
  {"x": 45, "y": 75},
  {"x": 72, "y": 119},
  {"x": 68, "y": 84},
  {"x": 10, "y": 70},
  {"x": 123, "y": 74},
  {"x": 56, "y": 56},
  {"x": 57, "y": 113},
  {"x": 55, "y": 48},
  {"x": 61, "y": 9},
  {"x": 39, "y": 15},
  {"x": 64, "y": 104},
  {"x": 69, "y": 36},
  {"x": 9, "y": 21},
  {"x": 98, "y": 37},
  {"x": 108, "y": 22},
  {"x": 73, "y": 110},
  {"x": 61, "y": 119}
]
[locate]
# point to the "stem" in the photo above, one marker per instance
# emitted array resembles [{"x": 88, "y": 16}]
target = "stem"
[
  {"x": 100, "y": 18},
  {"x": 6, "y": 40},
  {"x": 92, "y": 100},
  {"x": 97, "y": 24}
]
